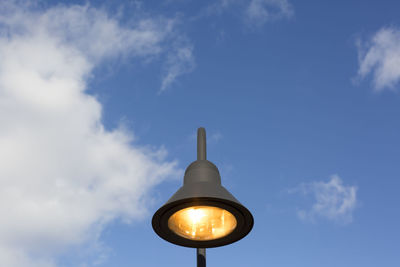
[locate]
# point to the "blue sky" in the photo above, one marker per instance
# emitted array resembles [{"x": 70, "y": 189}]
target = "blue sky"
[{"x": 100, "y": 102}]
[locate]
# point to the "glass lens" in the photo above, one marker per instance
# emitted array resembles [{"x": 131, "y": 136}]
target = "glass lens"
[{"x": 202, "y": 223}]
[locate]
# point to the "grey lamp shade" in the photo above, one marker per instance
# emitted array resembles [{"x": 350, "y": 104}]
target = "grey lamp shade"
[{"x": 202, "y": 187}]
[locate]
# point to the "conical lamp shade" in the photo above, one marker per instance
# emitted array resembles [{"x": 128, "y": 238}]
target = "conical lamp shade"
[{"x": 202, "y": 213}]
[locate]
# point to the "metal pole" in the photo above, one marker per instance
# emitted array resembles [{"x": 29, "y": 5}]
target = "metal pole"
[
  {"x": 201, "y": 155},
  {"x": 201, "y": 144},
  {"x": 201, "y": 257}
]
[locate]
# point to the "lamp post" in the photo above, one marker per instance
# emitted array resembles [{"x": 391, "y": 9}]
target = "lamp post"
[{"x": 202, "y": 213}]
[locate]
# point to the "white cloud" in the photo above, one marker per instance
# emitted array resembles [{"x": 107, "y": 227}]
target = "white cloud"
[
  {"x": 332, "y": 200},
  {"x": 106, "y": 38},
  {"x": 215, "y": 137},
  {"x": 63, "y": 176},
  {"x": 380, "y": 57},
  {"x": 261, "y": 11},
  {"x": 180, "y": 60},
  {"x": 253, "y": 12}
]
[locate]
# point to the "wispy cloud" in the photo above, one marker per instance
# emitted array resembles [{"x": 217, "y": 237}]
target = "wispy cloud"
[
  {"x": 332, "y": 200},
  {"x": 63, "y": 176},
  {"x": 380, "y": 57},
  {"x": 180, "y": 60},
  {"x": 260, "y": 11},
  {"x": 253, "y": 12},
  {"x": 215, "y": 137}
]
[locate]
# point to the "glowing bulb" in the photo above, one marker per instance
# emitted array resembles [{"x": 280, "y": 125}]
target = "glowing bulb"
[
  {"x": 202, "y": 223},
  {"x": 195, "y": 215}
]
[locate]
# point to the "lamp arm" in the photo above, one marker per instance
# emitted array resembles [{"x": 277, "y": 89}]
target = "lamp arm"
[{"x": 201, "y": 144}]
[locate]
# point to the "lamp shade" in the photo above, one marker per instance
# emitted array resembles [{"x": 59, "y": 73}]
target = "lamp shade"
[{"x": 202, "y": 213}]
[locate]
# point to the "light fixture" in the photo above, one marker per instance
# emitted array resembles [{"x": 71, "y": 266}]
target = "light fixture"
[{"x": 202, "y": 213}]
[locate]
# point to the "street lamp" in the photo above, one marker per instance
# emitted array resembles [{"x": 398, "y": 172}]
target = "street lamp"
[{"x": 202, "y": 213}]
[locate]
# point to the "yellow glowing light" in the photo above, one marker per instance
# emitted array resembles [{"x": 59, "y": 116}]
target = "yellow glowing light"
[{"x": 202, "y": 223}]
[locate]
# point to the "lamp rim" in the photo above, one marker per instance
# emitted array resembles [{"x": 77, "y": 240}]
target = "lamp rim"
[{"x": 243, "y": 217}]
